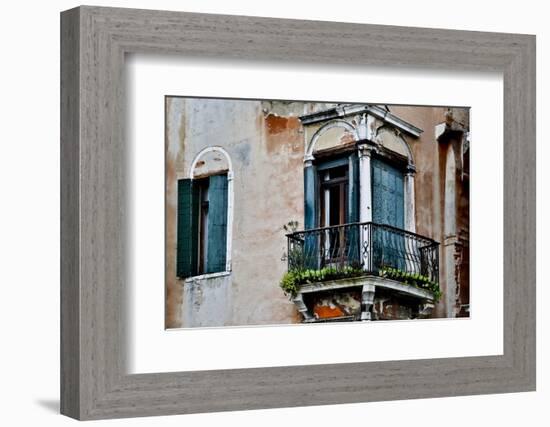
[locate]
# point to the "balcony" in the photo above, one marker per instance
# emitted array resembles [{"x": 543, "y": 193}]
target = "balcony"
[{"x": 357, "y": 263}]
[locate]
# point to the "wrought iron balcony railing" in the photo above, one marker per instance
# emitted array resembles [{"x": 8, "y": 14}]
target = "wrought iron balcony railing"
[{"x": 367, "y": 246}]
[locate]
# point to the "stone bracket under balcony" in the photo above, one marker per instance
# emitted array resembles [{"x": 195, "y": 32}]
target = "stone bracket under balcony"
[{"x": 363, "y": 298}]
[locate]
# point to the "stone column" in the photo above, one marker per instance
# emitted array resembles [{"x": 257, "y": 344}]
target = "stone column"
[
  {"x": 410, "y": 218},
  {"x": 365, "y": 184},
  {"x": 449, "y": 274},
  {"x": 365, "y": 198},
  {"x": 367, "y": 300}
]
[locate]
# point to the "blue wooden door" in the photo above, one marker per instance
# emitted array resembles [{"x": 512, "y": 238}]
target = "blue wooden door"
[{"x": 388, "y": 209}]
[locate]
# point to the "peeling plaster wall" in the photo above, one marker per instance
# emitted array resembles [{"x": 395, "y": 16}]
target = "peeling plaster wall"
[
  {"x": 266, "y": 143},
  {"x": 430, "y": 157},
  {"x": 207, "y": 302}
]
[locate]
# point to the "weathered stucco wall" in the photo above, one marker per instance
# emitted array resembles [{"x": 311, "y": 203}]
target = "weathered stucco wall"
[
  {"x": 431, "y": 158},
  {"x": 266, "y": 142}
]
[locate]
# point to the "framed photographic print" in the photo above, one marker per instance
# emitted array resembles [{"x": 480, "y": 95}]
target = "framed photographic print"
[{"x": 261, "y": 213}]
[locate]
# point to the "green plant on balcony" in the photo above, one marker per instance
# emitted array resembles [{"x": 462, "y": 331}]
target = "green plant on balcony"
[
  {"x": 293, "y": 279},
  {"x": 412, "y": 279}
]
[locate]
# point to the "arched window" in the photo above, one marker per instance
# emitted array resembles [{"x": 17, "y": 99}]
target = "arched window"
[
  {"x": 205, "y": 215},
  {"x": 378, "y": 180}
]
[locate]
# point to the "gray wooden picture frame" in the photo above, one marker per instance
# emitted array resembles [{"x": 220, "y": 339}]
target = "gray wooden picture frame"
[{"x": 94, "y": 382}]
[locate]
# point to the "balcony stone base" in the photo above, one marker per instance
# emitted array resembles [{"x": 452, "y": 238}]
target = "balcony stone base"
[{"x": 362, "y": 298}]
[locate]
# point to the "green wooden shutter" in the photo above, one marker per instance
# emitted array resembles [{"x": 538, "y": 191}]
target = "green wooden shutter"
[
  {"x": 217, "y": 224},
  {"x": 187, "y": 232}
]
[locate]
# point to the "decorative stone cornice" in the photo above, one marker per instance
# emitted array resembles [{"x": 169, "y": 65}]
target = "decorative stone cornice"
[
  {"x": 353, "y": 109},
  {"x": 366, "y": 149}
]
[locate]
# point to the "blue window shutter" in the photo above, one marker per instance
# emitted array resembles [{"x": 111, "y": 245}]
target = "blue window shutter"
[
  {"x": 388, "y": 209},
  {"x": 387, "y": 194},
  {"x": 187, "y": 232},
  {"x": 311, "y": 218},
  {"x": 217, "y": 224},
  {"x": 310, "y": 197}
]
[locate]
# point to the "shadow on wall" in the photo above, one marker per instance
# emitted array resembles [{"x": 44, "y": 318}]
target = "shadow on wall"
[{"x": 52, "y": 405}]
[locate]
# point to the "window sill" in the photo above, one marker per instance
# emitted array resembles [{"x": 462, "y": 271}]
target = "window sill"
[{"x": 207, "y": 276}]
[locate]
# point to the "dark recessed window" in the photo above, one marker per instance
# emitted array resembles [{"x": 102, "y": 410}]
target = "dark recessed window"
[{"x": 202, "y": 225}]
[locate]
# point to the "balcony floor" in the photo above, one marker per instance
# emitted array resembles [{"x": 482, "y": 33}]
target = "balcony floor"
[
  {"x": 361, "y": 292},
  {"x": 376, "y": 281}
]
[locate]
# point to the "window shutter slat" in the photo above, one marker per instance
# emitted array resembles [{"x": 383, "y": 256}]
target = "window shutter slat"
[
  {"x": 187, "y": 232},
  {"x": 217, "y": 224}
]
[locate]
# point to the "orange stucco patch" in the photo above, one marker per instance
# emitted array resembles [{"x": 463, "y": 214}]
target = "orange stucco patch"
[
  {"x": 283, "y": 132},
  {"x": 326, "y": 312},
  {"x": 276, "y": 124}
]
